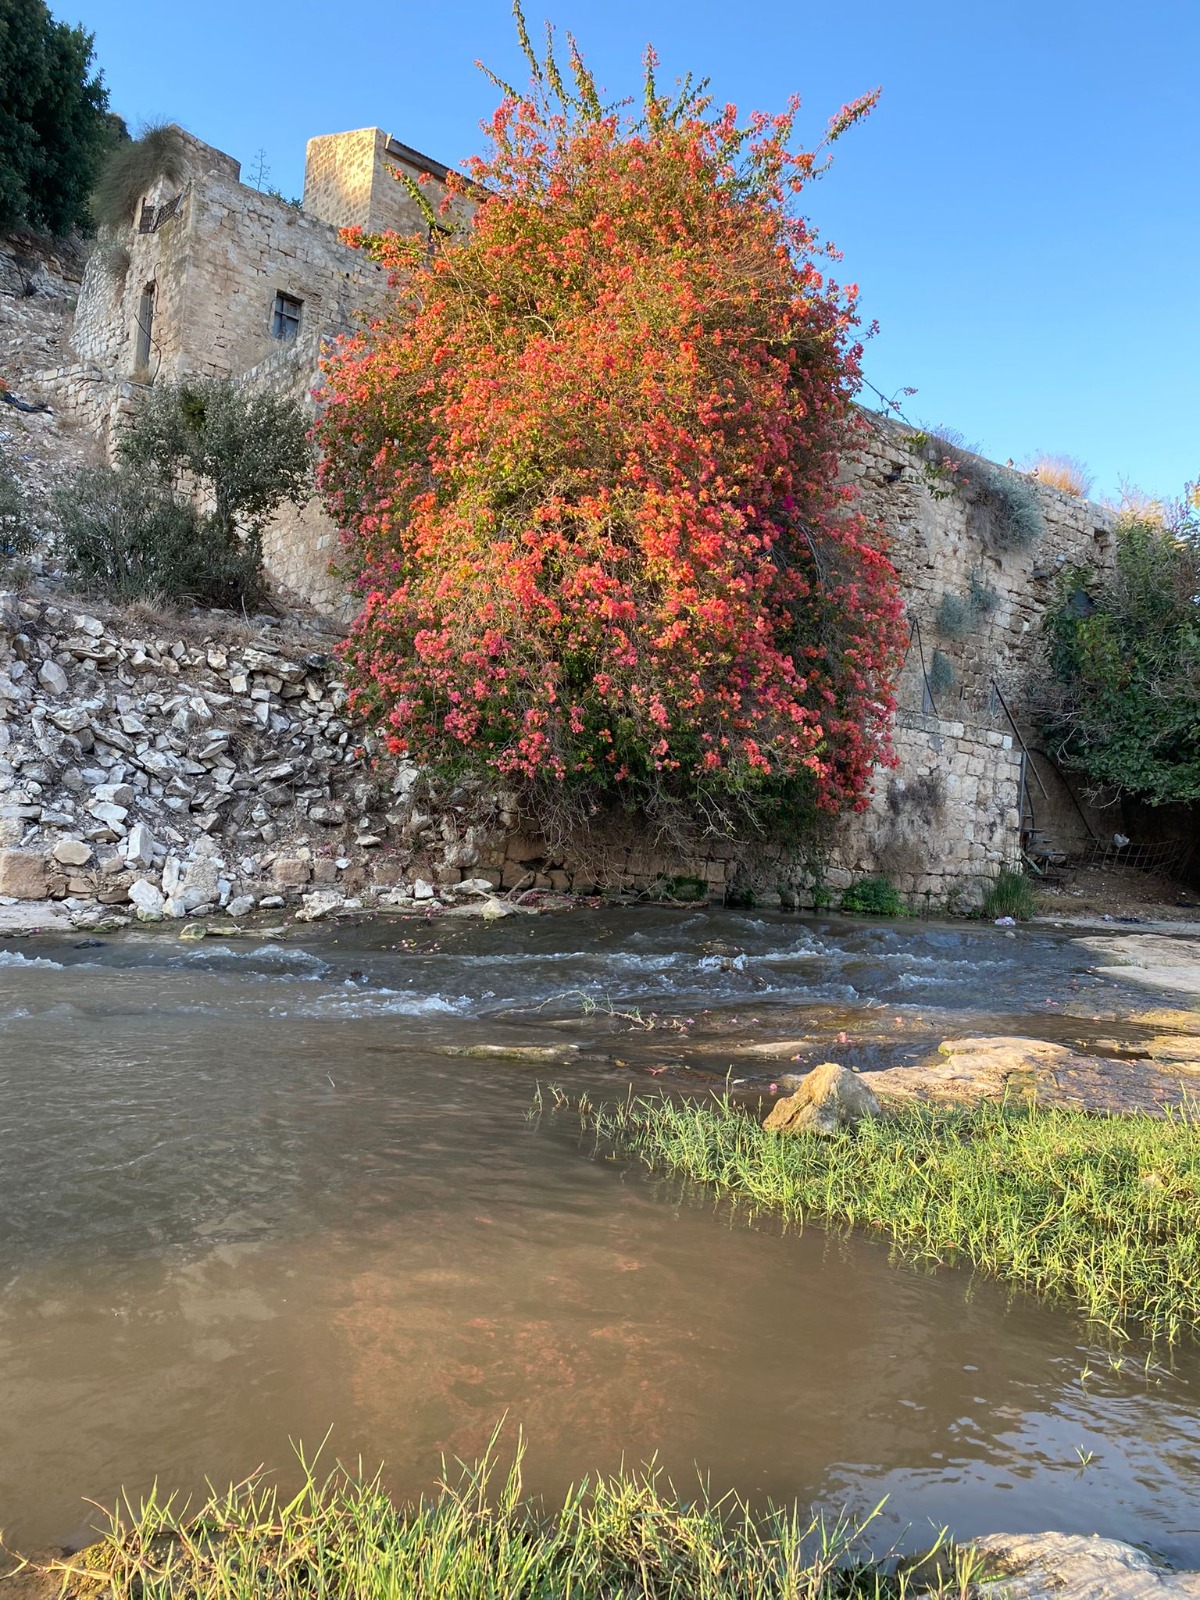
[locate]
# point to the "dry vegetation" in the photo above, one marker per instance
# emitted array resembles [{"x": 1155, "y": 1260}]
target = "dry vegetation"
[{"x": 1061, "y": 472}]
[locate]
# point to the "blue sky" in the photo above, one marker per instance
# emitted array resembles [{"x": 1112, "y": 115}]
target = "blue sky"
[{"x": 1022, "y": 212}]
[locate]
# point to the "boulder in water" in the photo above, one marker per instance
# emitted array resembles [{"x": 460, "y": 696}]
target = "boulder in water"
[{"x": 829, "y": 1100}]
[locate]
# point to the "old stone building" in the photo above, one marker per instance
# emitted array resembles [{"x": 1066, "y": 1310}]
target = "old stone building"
[{"x": 215, "y": 277}]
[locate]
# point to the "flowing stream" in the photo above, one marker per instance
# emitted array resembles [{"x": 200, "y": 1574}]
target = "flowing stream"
[{"x": 245, "y": 1198}]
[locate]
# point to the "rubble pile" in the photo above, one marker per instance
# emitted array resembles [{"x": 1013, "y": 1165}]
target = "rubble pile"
[{"x": 152, "y": 776}]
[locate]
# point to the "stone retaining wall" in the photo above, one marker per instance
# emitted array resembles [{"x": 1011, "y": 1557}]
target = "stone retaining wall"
[
  {"x": 145, "y": 771},
  {"x": 939, "y": 828}
]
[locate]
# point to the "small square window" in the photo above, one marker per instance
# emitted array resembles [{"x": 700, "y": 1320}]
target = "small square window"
[{"x": 285, "y": 317}]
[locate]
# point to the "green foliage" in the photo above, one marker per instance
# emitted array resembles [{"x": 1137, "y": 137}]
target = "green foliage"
[
  {"x": 942, "y": 676},
  {"x": 874, "y": 897},
  {"x": 245, "y": 452},
  {"x": 1120, "y": 698},
  {"x": 293, "y": 202},
  {"x": 1006, "y": 515},
  {"x": 478, "y": 1537},
  {"x": 202, "y": 467},
  {"x": 1103, "y": 1211},
  {"x": 981, "y": 597},
  {"x": 1009, "y": 895},
  {"x": 957, "y": 614},
  {"x": 682, "y": 888},
  {"x": 129, "y": 537},
  {"x": 953, "y": 617},
  {"x": 17, "y": 536},
  {"x": 133, "y": 167},
  {"x": 54, "y": 122}
]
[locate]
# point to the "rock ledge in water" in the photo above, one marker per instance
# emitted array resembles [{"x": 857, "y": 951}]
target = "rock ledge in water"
[
  {"x": 1157, "y": 960},
  {"x": 1028, "y": 1566},
  {"x": 829, "y": 1099},
  {"x": 967, "y": 1071}
]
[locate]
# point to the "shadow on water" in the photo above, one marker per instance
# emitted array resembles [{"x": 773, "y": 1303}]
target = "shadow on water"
[{"x": 246, "y": 1197}]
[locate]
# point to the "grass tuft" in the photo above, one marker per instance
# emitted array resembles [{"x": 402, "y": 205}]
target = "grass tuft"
[
  {"x": 1100, "y": 1211},
  {"x": 1010, "y": 894},
  {"x": 627, "y": 1537},
  {"x": 1061, "y": 472},
  {"x": 132, "y": 167}
]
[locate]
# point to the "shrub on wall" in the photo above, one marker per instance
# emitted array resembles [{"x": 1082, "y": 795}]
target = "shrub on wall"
[
  {"x": 1119, "y": 697},
  {"x": 131, "y": 168},
  {"x": 588, "y": 473},
  {"x": 942, "y": 676},
  {"x": 953, "y": 617},
  {"x": 1005, "y": 514},
  {"x": 981, "y": 597},
  {"x": 1003, "y": 509},
  {"x": 957, "y": 614}
]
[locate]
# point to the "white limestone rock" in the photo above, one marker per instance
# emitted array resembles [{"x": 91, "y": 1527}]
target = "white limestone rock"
[
  {"x": 147, "y": 899},
  {"x": 52, "y": 678},
  {"x": 72, "y": 852}
]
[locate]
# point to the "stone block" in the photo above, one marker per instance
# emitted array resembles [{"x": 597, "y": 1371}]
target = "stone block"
[
  {"x": 520, "y": 848},
  {"x": 23, "y": 874},
  {"x": 290, "y": 872},
  {"x": 72, "y": 852}
]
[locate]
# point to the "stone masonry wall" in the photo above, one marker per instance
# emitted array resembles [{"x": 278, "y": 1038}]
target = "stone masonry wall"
[
  {"x": 215, "y": 768},
  {"x": 351, "y": 179},
  {"x": 217, "y": 260},
  {"x": 944, "y": 821},
  {"x": 300, "y": 541},
  {"x": 339, "y": 171},
  {"x": 206, "y": 769},
  {"x": 949, "y": 815},
  {"x": 937, "y": 548}
]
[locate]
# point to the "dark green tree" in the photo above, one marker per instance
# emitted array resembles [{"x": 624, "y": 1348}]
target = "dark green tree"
[
  {"x": 54, "y": 121},
  {"x": 1120, "y": 698}
]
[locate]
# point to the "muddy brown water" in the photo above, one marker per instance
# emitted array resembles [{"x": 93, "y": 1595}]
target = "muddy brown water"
[{"x": 244, "y": 1200}]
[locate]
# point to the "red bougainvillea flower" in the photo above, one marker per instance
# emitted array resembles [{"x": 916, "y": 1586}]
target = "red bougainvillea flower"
[{"x": 587, "y": 469}]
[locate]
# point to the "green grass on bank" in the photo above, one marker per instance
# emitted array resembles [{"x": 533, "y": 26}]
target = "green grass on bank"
[
  {"x": 627, "y": 1537},
  {"x": 1104, "y": 1211}
]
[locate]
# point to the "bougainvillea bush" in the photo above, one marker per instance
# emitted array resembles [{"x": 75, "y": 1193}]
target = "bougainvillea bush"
[{"x": 587, "y": 470}]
